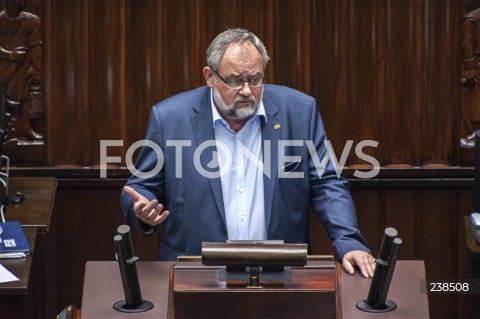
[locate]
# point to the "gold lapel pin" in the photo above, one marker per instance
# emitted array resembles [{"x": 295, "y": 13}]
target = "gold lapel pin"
[{"x": 276, "y": 126}]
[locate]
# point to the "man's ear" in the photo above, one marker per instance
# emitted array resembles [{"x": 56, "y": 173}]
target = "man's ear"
[{"x": 208, "y": 74}]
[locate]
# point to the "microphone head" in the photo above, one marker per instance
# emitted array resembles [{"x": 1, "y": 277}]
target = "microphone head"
[
  {"x": 123, "y": 229},
  {"x": 391, "y": 232}
]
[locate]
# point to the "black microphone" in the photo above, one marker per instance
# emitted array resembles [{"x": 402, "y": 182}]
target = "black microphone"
[
  {"x": 381, "y": 297},
  {"x": 385, "y": 249},
  {"x": 386, "y": 261},
  {"x": 124, "y": 232},
  {"x": 128, "y": 271}
]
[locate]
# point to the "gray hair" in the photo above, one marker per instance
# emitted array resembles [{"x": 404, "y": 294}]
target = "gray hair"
[{"x": 218, "y": 46}]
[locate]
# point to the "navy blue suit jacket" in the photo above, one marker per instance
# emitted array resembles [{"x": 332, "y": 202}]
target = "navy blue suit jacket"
[{"x": 195, "y": 202}]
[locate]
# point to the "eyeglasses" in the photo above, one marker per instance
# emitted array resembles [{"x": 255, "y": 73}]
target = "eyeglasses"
[{"x": 238, "y": 84}]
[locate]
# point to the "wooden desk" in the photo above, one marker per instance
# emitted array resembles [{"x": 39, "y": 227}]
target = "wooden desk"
[
  {"x": 103, "y": 287},
  {"x": 15, "y": 296},
  {"x": 34, "y": 214},
  {"x": 404, "y": 290},
  {"x": 36, "y": 210}
]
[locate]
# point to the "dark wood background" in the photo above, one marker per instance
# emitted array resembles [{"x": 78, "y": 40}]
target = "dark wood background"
[{"x": 388, "y": 71}]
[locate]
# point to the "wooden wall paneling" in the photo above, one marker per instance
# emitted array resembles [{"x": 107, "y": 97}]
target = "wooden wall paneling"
[
  {"x": 465, "y": 203},
  {"x": 438, "y": 229},
  {"x": 374, "y": 68},
  {"x": 217, "y": 16},
  {"x": 362, "y": 116},
  {"x": 330, "y": 50},
  {"x": 50, "y": 273},
  {"x": 370, "y": 217},
  {"x": 439, "y": 224},
  {"x": 106, "y": 75},
  {"x": 182, "y": 59},
  {"x": 402, "y": 110},
  {"x": 379, "y": 33},
  {"x": 320, "y": 243},
  {"x": 144, "y": 67},
  {"x": 292, "y": 44},
  {"x": 39, "y": 277},
  {"x": 66, "y": 62},
  {"x": 401, "y": 211},
  {"x": 439, "y": 80},
  {"x": 73, "y": 236}
]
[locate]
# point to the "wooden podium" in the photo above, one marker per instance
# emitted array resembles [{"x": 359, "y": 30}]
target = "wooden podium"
[
  {"x": 195, "y": 291},
  {"x": 103, "y": 287}
]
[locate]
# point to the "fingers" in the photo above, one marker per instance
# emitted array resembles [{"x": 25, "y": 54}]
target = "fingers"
[
  {"x": 133, "y": 193},
  {"x": 367, "y": 266},
  {"x": 363, "y": 260},
  {"x": 160, "y": 218},
  {"x": 150, "y": 212},
  {"x": 348, "y": 266}
]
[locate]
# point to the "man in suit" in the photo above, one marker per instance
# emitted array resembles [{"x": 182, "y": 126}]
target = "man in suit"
[{"x": 239, "y": 159}]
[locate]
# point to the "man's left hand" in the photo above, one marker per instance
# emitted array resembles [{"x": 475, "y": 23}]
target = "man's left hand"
[{"x": 361, "y": 259}]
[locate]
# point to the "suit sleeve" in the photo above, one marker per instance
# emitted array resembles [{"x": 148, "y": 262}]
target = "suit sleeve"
[
  {"x": 147, "y": 175},
  {"x": 330, "y": 195}
]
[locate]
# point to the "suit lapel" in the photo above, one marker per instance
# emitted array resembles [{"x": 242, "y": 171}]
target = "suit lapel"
[
  {"x": 271, "y": 132},
  {"x": 203, "y": 130}
]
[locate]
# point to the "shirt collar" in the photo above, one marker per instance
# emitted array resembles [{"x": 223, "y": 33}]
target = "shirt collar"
[{"x": 217, "y": 117}]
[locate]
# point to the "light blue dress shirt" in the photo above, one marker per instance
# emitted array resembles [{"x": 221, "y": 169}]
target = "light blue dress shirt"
[{"x": 241, "y": 178}]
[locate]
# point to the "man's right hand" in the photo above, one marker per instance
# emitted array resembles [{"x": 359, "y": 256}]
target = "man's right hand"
[{"x": 149, "y": 212}]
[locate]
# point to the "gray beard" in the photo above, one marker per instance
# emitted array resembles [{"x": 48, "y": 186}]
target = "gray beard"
[{"x": 231, "y": 111}]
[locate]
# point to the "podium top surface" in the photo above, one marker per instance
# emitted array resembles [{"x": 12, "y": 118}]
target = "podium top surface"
[
  {"x": 405, "y": 291},
  {"x": 103, "y": 287}
]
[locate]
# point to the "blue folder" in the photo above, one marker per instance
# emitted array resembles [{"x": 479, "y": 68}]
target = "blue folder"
[{"x": 13, "y": 242}]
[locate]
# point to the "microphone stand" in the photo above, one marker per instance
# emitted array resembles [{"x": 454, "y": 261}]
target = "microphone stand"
[
  {"x": 386, "y": 261},
  {"x": 126, "y": 261}
]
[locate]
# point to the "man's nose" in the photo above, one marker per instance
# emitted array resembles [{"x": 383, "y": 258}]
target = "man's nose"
[{"x": 246, "y": 90}]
